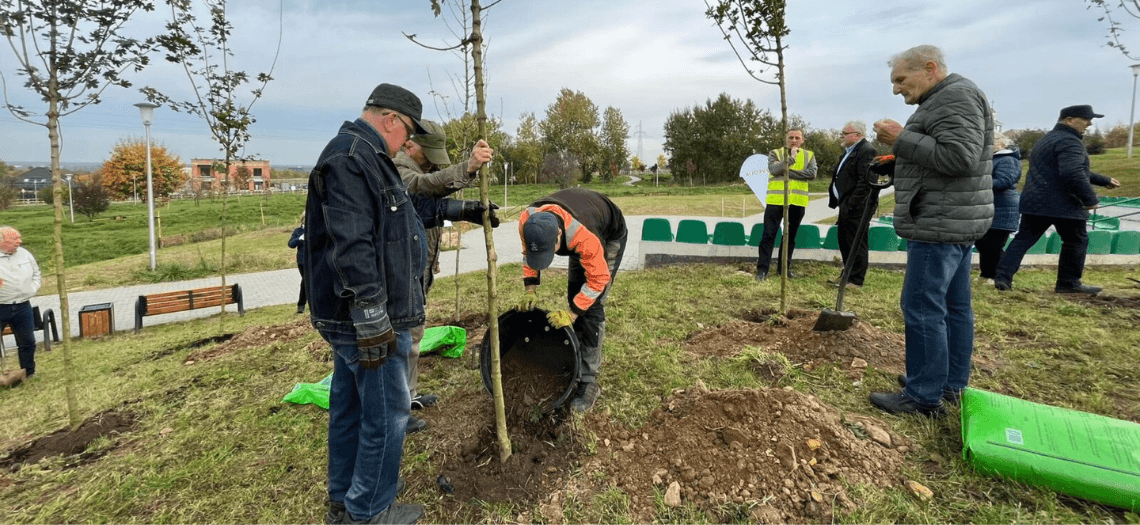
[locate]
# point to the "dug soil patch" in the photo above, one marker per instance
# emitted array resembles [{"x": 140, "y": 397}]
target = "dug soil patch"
[
  {"x": 793, "y": 337},
  {"x": 1127, "y": 307},
  {"x": 111, "y": 423},
  {"x": 254, "y": 337},
  {"x": 767, "y": 455}
]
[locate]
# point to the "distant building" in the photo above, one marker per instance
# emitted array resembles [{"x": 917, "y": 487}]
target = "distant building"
[
  {"x": 207, "y": 174},
  {"x": 32, "y": 181}
]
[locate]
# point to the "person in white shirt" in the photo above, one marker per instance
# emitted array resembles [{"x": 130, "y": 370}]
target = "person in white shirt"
[{"x": 19, "y": 282}]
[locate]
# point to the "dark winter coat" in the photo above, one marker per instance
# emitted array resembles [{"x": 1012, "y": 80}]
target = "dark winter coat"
[
  {"x": 1059, "y": 182},
  {"x": 1007, "y": 172},
  {"x": 943, "y": 187}
]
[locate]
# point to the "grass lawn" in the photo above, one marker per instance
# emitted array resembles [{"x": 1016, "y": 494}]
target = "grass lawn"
[{"x": 214, "y": 443}]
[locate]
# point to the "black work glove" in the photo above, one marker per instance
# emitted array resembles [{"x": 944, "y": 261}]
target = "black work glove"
[
  {"x": 469, "y": 211},
  {"x": 374, "y": 350},
  {"x": 883, "y": 165}
]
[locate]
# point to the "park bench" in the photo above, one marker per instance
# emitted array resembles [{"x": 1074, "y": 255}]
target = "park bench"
[
  {"x": 45, "y": 323},
  {"x": 184, "y": 300}
]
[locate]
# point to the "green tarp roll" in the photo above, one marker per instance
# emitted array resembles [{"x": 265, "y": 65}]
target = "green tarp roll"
[
  {"x": 315, "y": 393},
  {"x": 1075, "y": 453},
  {"x": 449, "y": 340}
]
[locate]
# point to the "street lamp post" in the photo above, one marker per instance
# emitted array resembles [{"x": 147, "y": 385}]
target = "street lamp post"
[
  {"x": 70, "y": 197},
  {"x": 147, "y": 111},
  {"x": 1132, "y": 115}
]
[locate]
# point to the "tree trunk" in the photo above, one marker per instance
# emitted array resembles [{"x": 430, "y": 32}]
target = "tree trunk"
[
  {"x": 787, "y": 180},
  {"x": 73, "y": 418},
  {"x": 489, "y": 235}
]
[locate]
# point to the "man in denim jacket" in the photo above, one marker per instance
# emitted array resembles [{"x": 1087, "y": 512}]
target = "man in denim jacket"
[{"x": 366, "y": 250}]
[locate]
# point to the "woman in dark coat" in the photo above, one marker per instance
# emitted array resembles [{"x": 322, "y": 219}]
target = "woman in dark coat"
[
  {"x": 297, "y": 241},
  {"x": 1006, "y": 174}
]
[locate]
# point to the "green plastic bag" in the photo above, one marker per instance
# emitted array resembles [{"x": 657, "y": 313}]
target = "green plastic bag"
[
  {"x": 1075, "y": 453},
  {"x": 315, "y": 393},
  {"x": 449, "y": 340}
]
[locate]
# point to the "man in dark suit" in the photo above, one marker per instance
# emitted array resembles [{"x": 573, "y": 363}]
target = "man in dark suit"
[{"x": 850, "y": 191}]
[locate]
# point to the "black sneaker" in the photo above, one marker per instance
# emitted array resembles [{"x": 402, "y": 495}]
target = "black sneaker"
[
  {"x": 415, "y": 424},
  {"x": 1080, "y": 288},
  {"x": 899, "y": 403},
  {"x": 422, "y": 401},
  {"x": 395, "y": 513},
  {"x": 948, "y": 396},
  {"x": 335, "y": 513},
  {"x": 1003, "y": 285},
  {"x": 760, "y": 276},
  {"x": 585, "y": 396}
]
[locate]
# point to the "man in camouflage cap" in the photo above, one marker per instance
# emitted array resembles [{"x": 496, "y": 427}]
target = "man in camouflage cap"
[{"x": 423, "y": 164}]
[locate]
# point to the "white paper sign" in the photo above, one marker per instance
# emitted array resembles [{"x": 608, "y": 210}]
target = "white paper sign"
[{"x": 754, "y": 171}]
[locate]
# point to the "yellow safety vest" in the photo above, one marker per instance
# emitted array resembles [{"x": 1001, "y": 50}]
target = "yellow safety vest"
[{"x": 797, "y": 190}]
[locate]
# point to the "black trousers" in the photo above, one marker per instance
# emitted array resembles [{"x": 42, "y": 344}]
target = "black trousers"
[
  {"x": 848, "y": 222},
  {"x": 773, "y": 218},
  {"x": 1074, "y": 245},
  {"x": 590, "y": 327},
  {"x": 991, "y": 248}
]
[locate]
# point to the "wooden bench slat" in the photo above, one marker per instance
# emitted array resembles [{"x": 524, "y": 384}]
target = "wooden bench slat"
[{"x": 170, "y": 302}]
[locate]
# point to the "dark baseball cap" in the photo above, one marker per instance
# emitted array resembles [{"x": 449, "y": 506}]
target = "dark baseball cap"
[
  {"x": 434, "y": 144},
  {"x": 1082, "y": 111},
  {"x": 540, "y": 233},
  {"x": 399, "y": 99}
]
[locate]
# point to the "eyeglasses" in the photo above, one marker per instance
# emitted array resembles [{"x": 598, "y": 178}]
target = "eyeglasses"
[
  {"x": 407, "y": 127},
  {"x": 845, "y": 133}
]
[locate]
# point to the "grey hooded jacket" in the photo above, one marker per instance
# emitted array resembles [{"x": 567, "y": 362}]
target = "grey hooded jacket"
[{"x": 943, "y": 187}]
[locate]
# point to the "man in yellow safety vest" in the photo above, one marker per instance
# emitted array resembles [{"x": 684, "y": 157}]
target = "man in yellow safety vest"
[{"x": 796, "y": 166}]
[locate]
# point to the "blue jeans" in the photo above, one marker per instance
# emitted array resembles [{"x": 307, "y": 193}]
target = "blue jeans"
[
  {"x": 19, "y": 317},
  {"x": 939, "y": 319},
  {"x": 368, "y": 414}
]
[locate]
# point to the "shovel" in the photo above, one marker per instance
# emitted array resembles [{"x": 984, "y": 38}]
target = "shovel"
[
  {"x": 835, "y": 320},
  {"x": 9, "y": 377}
]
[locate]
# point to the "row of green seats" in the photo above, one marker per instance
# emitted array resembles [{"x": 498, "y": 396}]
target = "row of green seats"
[
  {"x": 880, "y": 238},
  {"x": 1125, "y": 242},
  {"x": 730, "y": 233}
]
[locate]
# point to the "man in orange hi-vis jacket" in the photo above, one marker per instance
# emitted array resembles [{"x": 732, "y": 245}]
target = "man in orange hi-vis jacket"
[{"x": 589, "y": 228}]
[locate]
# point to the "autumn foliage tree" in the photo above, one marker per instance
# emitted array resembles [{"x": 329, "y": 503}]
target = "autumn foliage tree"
[{"x": 127, "y": 167}]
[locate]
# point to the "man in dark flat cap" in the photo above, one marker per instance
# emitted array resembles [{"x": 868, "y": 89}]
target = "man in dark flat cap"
[
  {"x": 1058, "y": 192},
  {"x": 366, "y": 251}
]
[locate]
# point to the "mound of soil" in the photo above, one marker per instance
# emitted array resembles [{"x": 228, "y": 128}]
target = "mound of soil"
[
  {"x": 72, "y": 443},
  {"x": 253, "y": 337},
  {"x": 1128, "y": 307},
  {"x": 793, "y": 337},
  {"x": 768, "y": 456}
]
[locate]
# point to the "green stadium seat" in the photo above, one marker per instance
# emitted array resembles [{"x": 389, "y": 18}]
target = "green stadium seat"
[
  {"x": 882, "y": 239},
  {"x": 807, "y": 237},
  {"x": 1054, "y": 245},
  {"x": 758, "y": 233},
  {"x": 1102, "y": 222},
  {"x": 831, "y": 241},
  {"x": 1100, "y": 241},
  {"x": 1127, "y": 242},
  {"x": 902, "y": 244},
  {"x": 1038, "y": 248},
  {"x": 729, "y": 234},
  {"x": 692, "y": 231},
  {"x": 656, "y": 229}
]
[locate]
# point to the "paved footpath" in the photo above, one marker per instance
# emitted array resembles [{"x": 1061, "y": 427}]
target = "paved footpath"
[{"x": 282, "y": 286}]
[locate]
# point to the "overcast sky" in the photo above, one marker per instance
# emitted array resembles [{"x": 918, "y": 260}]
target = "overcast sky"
[{"x": 645, "y": 58}]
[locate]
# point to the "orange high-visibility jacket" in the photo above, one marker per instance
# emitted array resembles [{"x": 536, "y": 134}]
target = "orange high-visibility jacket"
[{"x": 588, "y": 221}]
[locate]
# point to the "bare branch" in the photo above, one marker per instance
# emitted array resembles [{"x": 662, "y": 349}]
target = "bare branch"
[{"x": 412, "y": 37}]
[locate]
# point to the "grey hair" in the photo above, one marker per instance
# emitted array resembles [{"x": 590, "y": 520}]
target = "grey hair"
[
  {"x": 916, "y": 56},
  {"x": 1000, "y": 140},
  {"x": 857, "y": 125},
  {"x": 5, "y": 231}
]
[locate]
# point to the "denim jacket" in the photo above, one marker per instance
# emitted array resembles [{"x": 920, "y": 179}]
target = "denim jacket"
[{"x": 365, "y": 246}]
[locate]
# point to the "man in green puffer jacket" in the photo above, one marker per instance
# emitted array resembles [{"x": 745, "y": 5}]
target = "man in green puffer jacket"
[{"x": 944, "y": 202}]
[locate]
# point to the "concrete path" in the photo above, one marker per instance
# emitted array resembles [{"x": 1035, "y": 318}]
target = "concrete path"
[{"x": 281, "y": 286}]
